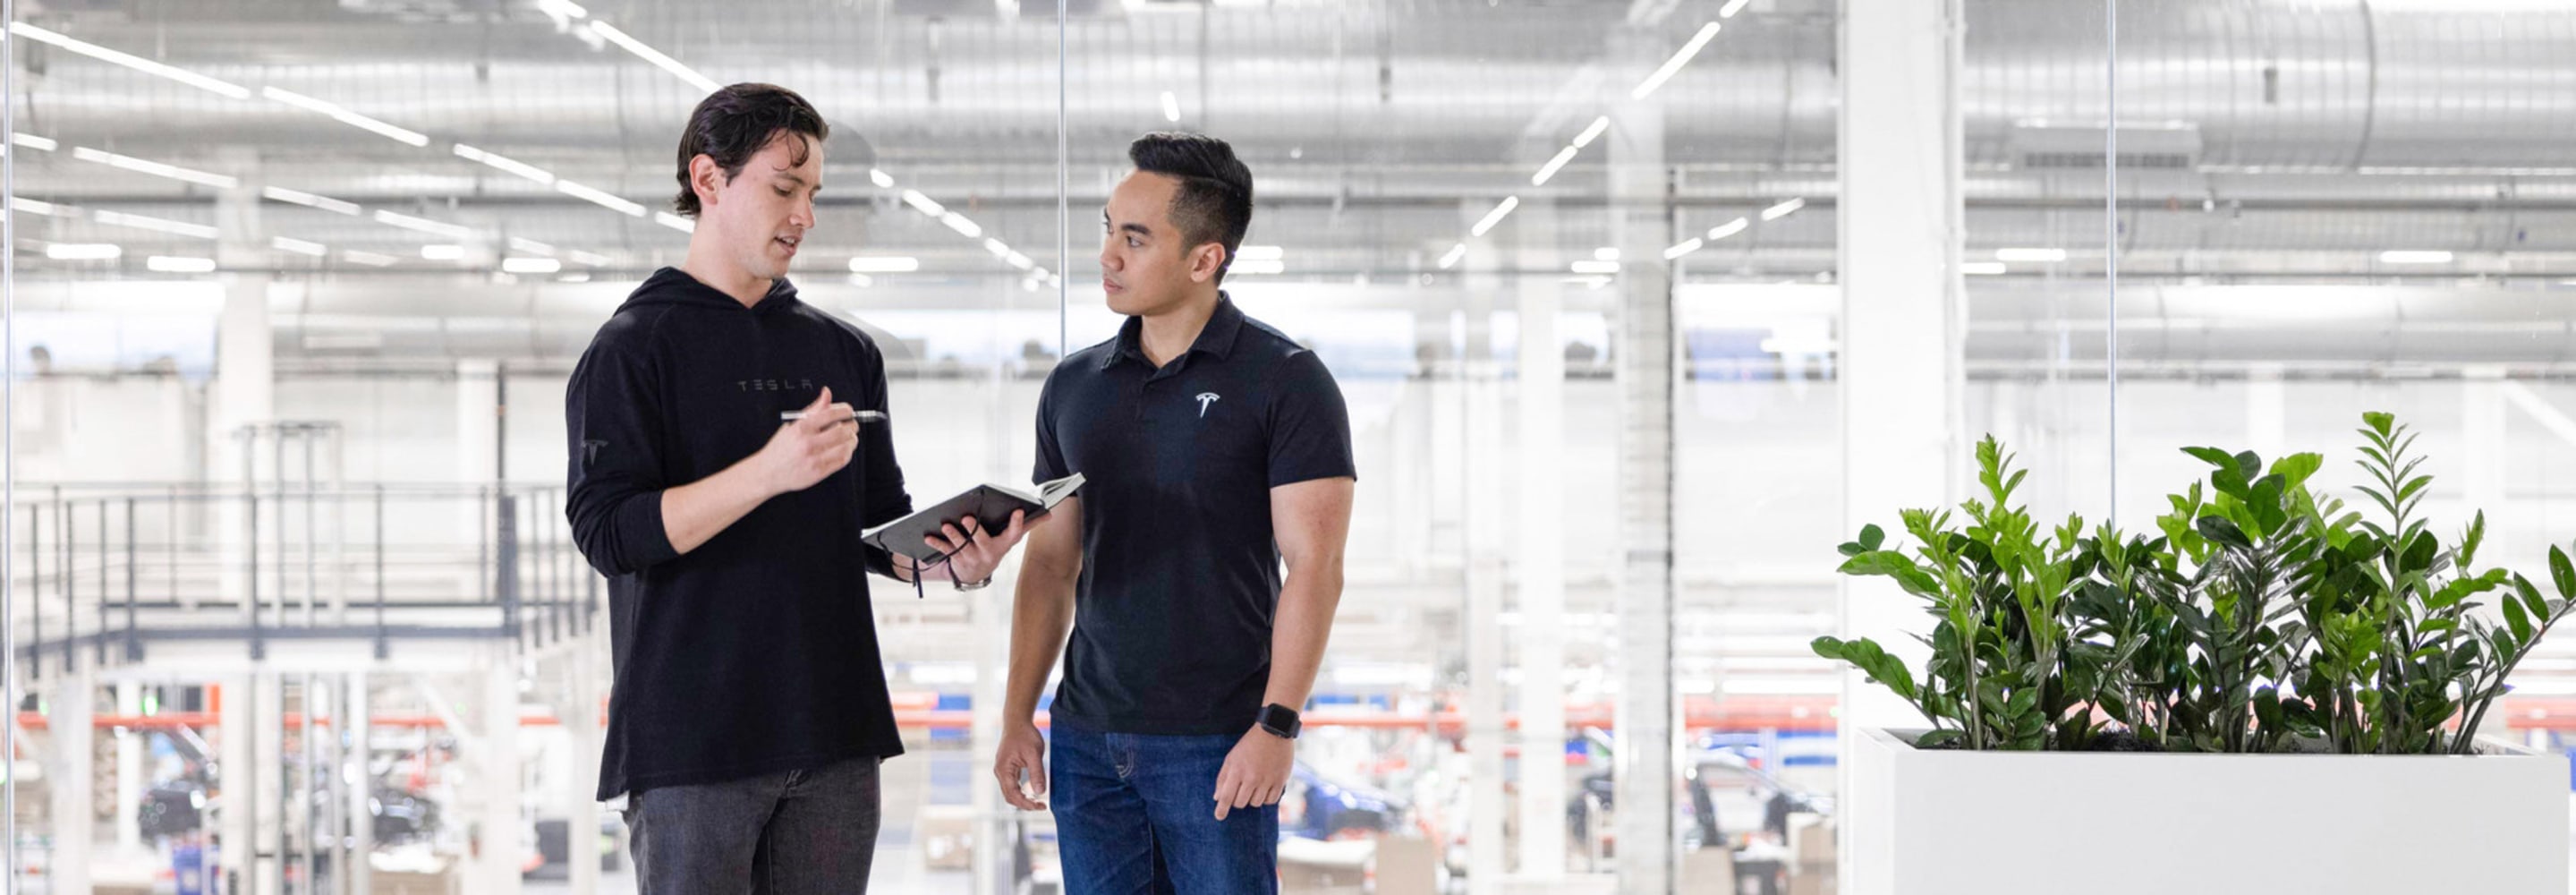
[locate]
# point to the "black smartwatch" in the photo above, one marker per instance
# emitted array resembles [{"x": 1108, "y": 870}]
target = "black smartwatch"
[{"x": 1279, "y": 720}]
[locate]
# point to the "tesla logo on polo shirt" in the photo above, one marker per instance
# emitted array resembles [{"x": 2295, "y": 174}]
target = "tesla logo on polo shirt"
[{"x": 1205, "y": 399}]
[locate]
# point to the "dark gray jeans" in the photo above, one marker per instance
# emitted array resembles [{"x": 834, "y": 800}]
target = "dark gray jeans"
[{"x": 793, "y": 833}]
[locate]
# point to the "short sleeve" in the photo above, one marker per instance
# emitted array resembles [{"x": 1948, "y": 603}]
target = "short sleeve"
[
  {"x": 1310, "y": 426},
  {"x": 1050, "y": 462}
]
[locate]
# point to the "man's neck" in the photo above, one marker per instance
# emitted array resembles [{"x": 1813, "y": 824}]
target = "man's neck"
[
  {"x": 1170, "y": 334},
  {"x": 708, "y": 267}
]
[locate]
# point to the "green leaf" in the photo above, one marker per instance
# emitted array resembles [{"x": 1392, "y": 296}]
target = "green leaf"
[
  {"x": 1871, "y": 536},
  {"x": 2296, "y": 468},
  {"x": 2561, "y": 573},
  {"x": 2218, "y": 529},
  {"x": 2212, "y": 456},
  {"x": 1937, "y": 739},
  {"x": 1828, "y": 647},
  {"x": 2520, "y": 622},
  {"x": 2249, "y": 465},
  {"x": 2379, "y": 422}
]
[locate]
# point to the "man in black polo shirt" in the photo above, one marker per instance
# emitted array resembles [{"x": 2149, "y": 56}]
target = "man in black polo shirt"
[
  {"x": 750, "y": 711},
  {"x": 1213, "y": 448}
]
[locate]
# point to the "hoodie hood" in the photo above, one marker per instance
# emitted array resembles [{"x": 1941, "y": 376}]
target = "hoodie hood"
[{"x": 673, "y": 286}]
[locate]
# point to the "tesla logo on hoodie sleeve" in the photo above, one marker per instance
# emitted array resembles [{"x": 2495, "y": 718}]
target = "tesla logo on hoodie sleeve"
[{"x": 590, "y": 450}]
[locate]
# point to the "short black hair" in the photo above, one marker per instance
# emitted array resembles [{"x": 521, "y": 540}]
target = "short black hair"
[
  {"x": 1214, "y": 203},
  {"x": 733, "y": 124}
]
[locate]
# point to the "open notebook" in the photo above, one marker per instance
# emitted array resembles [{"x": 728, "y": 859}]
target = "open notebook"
[{"x": 990, "y": 504}]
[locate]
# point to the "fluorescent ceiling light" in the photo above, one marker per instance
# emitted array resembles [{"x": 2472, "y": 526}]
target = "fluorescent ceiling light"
[
  {"x": 530, "y": 265},
  {"x": 648, "y": 54},
  {"x": 443, "y": 252},
  {"x": 84, "y": 251},
  {"x": 531, "y": 246},
  {"x": 298, "y": 246},
  {"x": 1783, "y": 209},
  {"x": 675, "y": 222},
  {"x": 1020, "y": 261},
  {"x": 1596, "y": 267},
  {"x": 1553, "y": 165},
  {"x": 1259, "y": 267},
  {"x": 1171, "y": 107},
  {"x": 2035, "y": 256},
  {"x": 1982, "y": 268},
  {"x": 32, "y": 206},
  {"x": 593, "y": 259},
  {"x": 1732, "y": 7},
  {"x": 179, "y": 264},
  {"x": 1590, "y": 133},
  {"x": 157, "y": 225},
  {"x": 1727, "y": 229},
  {"x": 862, "y": 280},
  {"x": 2414, "y": 256},
  {"x": 155, "y": 169},
  {"x": 882, "y": 179},
  {"x": 923, "y": 204},
  {"x": 997, "y": 247},
  {"x": 34, "y": 142},
  {"x": 896, "y": 264},
  {"x": 562, "y": 8},
  {"x": 138, "y": 63},
  {"x": 959, "y": 223},
  {"x": 1605, "y": 253},
  {"x": 1680, "y": 58},
  {"x": 598, "y": 197},
  {"x": 1450, "y": 258},
  {"x": 423, "y": 225},
  {"x": 513, "y": 166},
  {"x": 309, "y": 200},
  {"x": 1261, "y": 253},
  {"x": 344, "y": 116},
  {"x": 369, "y": 259},
  {"x": 1686, "y": 247},
  {"x": 1496, "y": 216}
]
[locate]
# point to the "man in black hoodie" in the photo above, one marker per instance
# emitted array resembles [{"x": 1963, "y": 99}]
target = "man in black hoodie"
[{"x": 749, "y": 713}]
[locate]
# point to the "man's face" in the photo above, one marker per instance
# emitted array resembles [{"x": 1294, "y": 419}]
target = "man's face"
[
  {"x": 1146, "y": 265},
  {"x": 762, "y": 214}
]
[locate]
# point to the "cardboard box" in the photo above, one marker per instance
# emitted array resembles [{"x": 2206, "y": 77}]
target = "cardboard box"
[
  {"x": 1811, "y": 840},
  {"x": 1707, "y": 871},
  {"x": 1407, "y": 866}
]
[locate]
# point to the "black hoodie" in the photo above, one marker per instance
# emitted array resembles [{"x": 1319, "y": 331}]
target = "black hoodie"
[{"x": 756, "y": 652}]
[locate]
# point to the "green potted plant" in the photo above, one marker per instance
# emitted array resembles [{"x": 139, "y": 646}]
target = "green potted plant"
[{"x": 2306, "y": 682}]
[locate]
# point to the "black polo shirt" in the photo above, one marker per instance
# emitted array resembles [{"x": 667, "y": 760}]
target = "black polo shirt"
[{"x": 1181, "y": 571}]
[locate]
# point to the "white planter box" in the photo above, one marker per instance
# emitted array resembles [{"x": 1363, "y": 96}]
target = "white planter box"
[{"x": 2058, "y": 823}]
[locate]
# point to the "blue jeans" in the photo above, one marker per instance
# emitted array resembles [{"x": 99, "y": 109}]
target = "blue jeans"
[{"x": 1136, "y": 815}]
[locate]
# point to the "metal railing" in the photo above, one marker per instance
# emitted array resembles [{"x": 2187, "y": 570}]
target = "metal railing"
[{"x": 113, "y": 568}]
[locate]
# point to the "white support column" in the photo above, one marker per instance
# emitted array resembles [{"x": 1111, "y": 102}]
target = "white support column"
[
  {"x": 129, "y": 772},
  {"x": 237, "y": 779},
  {"x": 1641, "y": 226},
  {"x": 1538, "y": 556},
  {"x": 495, "y": 868},
  {"x": 1481, "y": 425},
  {"x": 69, "y": 778},
  {"x": 362, "y": 821},
  {"x": 1900, "y": 233},
  {"x": 587, "y": 655},
  {"x": 2267, "y": 418},
  {"x": 268, "y": 755}
]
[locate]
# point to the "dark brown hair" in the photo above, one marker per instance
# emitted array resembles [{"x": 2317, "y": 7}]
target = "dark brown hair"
[{"x": 733, "y": 124}]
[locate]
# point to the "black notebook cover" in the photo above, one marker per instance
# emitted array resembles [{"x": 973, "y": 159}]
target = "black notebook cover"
[{"x": 991, "y": 505}]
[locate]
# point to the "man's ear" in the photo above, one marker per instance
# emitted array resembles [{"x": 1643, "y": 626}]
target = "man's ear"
[
  {"x": 707, "y": 178},
  {"x": 1205, "y": 261}
]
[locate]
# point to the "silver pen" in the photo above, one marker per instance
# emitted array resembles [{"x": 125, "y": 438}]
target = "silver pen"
[{"x": 863, "y": 416}]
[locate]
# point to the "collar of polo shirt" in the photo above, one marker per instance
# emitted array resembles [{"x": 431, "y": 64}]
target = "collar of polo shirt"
[{"x": 1217, "y": 338}]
